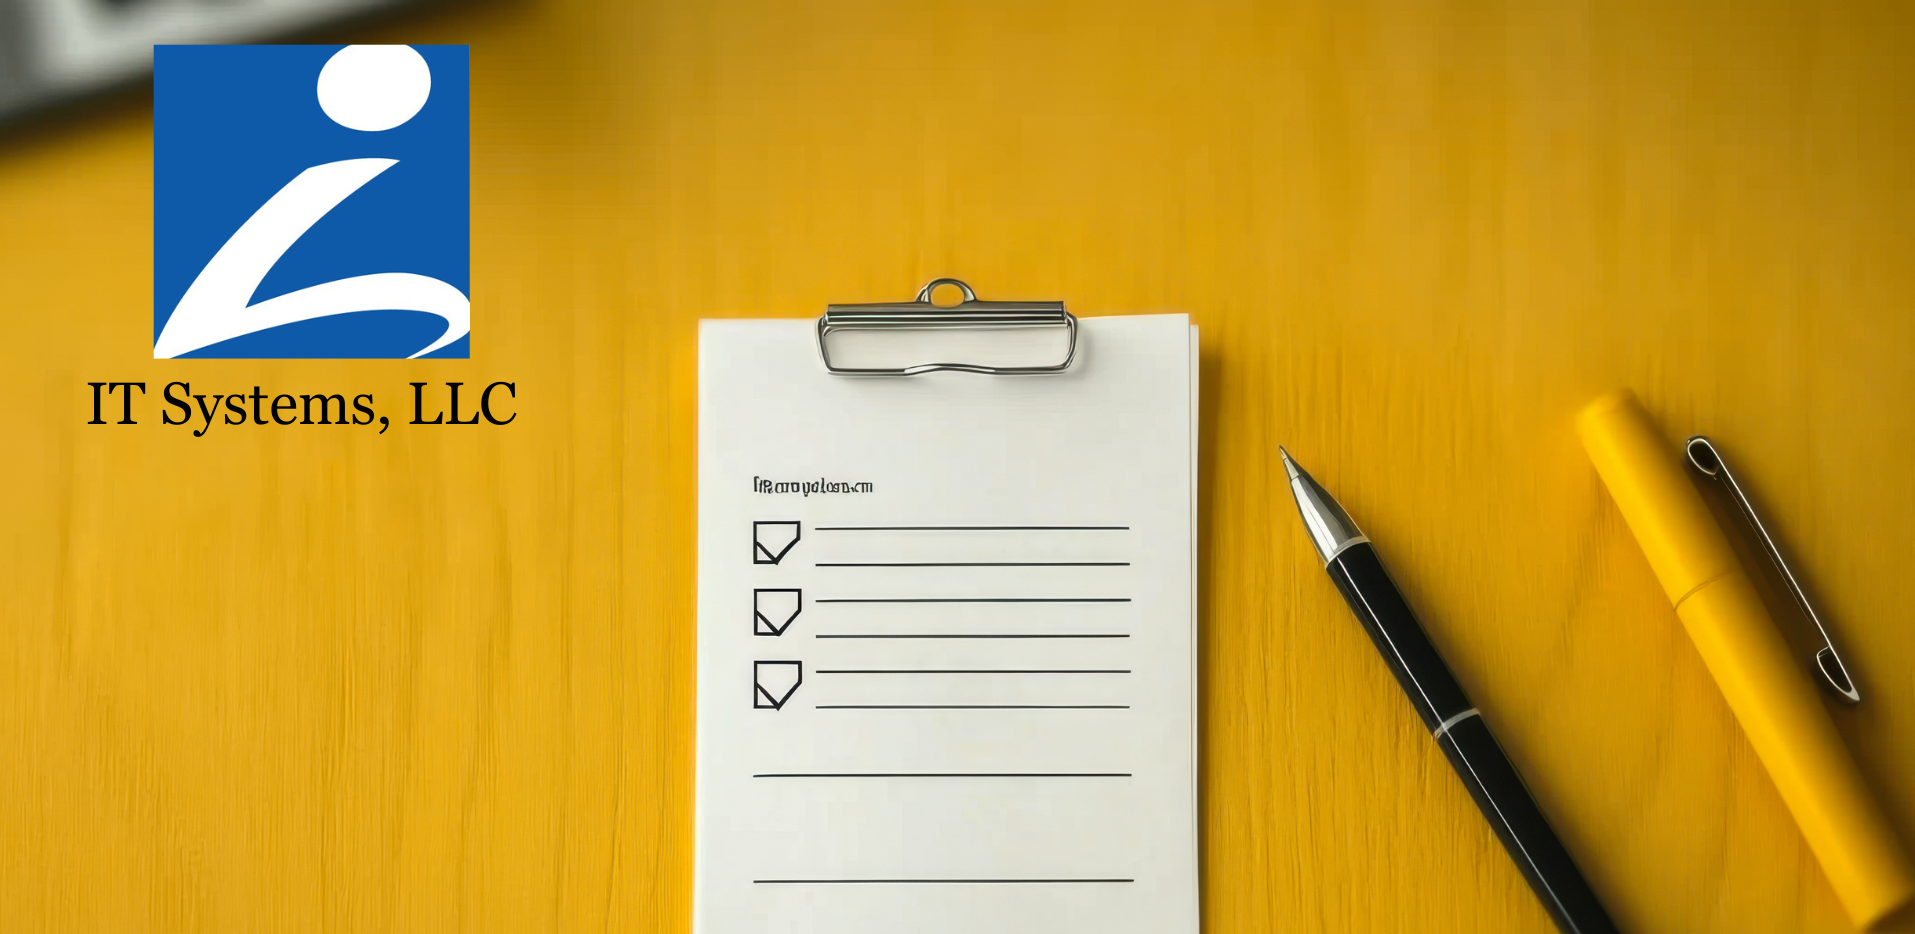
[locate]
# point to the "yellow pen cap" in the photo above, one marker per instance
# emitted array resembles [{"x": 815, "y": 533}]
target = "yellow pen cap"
[{"x": 1768, "y": 692}]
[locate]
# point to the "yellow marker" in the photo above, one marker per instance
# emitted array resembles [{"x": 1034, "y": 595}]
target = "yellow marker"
[{"x": 1769, "y": 694}]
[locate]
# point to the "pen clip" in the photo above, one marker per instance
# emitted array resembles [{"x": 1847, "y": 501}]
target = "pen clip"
[{"x": 1703, "y": 456}]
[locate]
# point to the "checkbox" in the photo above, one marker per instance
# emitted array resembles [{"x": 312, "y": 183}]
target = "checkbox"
[
  {"x": 773, "y": 683},
  {"x": 772, "y": 611},
  {"x": 771, "y": 541}
]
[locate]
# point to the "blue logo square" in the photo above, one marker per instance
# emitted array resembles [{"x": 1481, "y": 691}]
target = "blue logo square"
[{"x": 311, "y": 201}]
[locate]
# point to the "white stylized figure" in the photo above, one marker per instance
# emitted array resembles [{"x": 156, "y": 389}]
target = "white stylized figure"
[{"x": 362, "y": 87}]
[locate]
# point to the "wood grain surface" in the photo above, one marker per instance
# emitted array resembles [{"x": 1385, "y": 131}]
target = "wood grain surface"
[{"x": 304, "y": 679}]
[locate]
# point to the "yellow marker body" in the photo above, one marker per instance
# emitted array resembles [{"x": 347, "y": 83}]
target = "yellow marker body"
[{"x": 1766, "y": 689}]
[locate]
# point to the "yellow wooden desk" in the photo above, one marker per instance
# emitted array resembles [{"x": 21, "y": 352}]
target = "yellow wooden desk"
[{"x": 284, "y": 679}]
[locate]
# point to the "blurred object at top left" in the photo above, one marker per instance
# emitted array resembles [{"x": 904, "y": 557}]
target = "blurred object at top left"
[{"x": 54, "y": 50}]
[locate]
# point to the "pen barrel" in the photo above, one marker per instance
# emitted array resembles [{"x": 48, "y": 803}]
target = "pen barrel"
[
  {"x": 1479, "y": 762},
  {"x": 1768, "y": 692},
  {"x": 1512, "y": 812},
  {"x": 1379, "y": 606}
]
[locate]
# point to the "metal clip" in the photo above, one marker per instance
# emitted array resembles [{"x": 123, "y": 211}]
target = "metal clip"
[
  {"x": 968, "y": 314},
  {"x": 1704, "y": 457}
]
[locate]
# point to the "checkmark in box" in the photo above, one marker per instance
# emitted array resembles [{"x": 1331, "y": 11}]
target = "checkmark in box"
[
  {"x": 773, "y": 683},
  {"x": 771, "y": 541},
  {"x": 772, "y": 611}
]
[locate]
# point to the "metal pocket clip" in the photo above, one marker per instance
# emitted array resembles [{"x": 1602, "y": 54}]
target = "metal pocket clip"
[{"x": 1704, "y": 457}]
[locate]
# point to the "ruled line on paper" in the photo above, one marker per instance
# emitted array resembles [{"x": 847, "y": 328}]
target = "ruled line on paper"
[
  {"x": 972, "y": 600},
  {"x": 972, "y": 671},
  {"x": 972, "y": 564},
  {"x": 973, "y": 528},
  {"x": 972, "y": 707},
  {"x": 933, "y": 881},
  {"x": 973, "y": 635},
  {"x": 943, "y": 775}
]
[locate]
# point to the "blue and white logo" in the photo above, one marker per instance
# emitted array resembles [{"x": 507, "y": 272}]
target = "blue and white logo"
[{"x": 311, "y": 201}]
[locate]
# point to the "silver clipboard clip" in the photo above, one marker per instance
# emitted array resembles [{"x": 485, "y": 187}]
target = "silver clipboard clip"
[{"x": 970, "y": 314}]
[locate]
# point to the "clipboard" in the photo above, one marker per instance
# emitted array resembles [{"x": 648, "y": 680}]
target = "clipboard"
[{"x": 952, "y": 688}]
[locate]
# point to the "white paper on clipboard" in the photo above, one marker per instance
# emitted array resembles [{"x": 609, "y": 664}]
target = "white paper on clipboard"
[{"x": 946, "y": 637}]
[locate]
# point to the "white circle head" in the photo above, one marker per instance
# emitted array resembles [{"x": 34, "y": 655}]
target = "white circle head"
[{"x": 374, "y": 87}]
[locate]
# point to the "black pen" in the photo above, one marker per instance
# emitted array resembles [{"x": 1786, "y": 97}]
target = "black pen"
[{"x": 1446, "y": 710}]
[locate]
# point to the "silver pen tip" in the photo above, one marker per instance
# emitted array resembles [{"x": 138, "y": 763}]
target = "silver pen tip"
[{"x": 1330, "y": 527}]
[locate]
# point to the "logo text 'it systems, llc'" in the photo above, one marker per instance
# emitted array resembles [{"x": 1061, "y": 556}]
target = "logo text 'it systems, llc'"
[{"x": 311, "y": 201}]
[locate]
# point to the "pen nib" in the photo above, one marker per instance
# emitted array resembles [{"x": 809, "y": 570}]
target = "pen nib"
[
  {"x": 1289, "y": 465},
  {"x": 1330, "y": 527}
]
